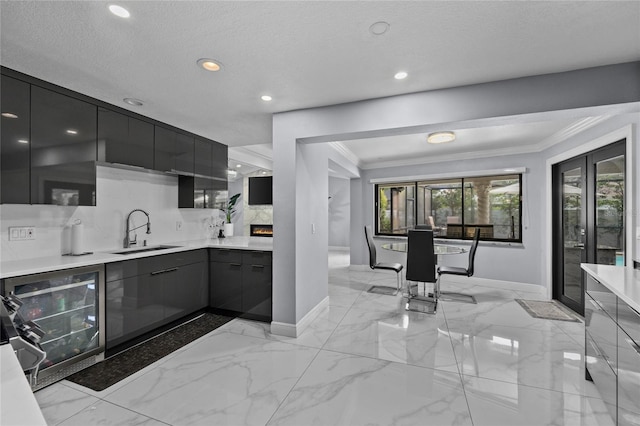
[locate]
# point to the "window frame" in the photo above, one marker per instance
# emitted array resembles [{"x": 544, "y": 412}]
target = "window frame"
[{"x": 463, "y": 207}]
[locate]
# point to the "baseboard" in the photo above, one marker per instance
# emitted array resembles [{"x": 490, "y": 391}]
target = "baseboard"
[
  {"x": 361, "y": 268},
  {"x": 294, "y": 330},
  {"x": 489, "y": 282}
]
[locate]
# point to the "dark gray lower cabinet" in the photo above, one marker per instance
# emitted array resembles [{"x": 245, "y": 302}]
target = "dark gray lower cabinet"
[
  {"x": 144, "y": 294},
  {"x": 241, "y": 283},
  {"x": 612, "y": 349},
  {"x": 226, "y": 286}
]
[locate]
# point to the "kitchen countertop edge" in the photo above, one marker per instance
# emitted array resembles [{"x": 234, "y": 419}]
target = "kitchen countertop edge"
[
  {"x": 32, "y": 266},
  {"x": 623, "y": 281}
]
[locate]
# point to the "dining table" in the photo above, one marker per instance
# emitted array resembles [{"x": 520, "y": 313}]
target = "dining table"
[{"x": 438, "y": 249}]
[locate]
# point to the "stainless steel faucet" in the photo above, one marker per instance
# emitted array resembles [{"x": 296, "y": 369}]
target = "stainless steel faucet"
[{"x": 127, "y": 241}]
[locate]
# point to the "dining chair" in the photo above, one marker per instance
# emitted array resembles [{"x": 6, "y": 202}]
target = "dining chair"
[
  {"x": 373, "y": 264},
  {"x": 421, "y": 268},
  {"x": 456, "y": 270},
  {"x": 423, "y": 227}
]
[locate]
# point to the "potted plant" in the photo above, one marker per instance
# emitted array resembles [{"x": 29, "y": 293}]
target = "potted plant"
[{"x": 229, "y": 212}]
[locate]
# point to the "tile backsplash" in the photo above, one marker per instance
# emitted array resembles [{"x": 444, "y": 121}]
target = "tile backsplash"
[{"x": 118, "y": 192}]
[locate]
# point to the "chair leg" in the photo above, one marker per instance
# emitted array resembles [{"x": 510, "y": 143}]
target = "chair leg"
[{"x": 452, "y": 295}]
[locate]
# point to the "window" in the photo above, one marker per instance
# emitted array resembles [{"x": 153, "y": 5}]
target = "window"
[{"x": 454, "y": 208}]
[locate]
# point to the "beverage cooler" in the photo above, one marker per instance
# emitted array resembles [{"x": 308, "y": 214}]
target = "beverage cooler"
[{"x": 68, "y": 307}]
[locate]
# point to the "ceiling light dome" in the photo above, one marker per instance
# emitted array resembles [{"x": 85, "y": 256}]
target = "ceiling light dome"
[
  {"x": 210, "y": 64},
  {"x": 133, "y": 101},
  {"x": 119, "y": 11},
  {"x": 400, "y": 75},
  {"x": 441, "y": 137}
]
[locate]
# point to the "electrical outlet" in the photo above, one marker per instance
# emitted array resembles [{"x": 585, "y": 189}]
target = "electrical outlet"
[
  {"x": 178, "y": 225},
  {"x": 22, "y": 233}
]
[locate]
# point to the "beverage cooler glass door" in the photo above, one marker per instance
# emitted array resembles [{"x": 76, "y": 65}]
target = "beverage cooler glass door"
[{"x": 69, "y": 307}]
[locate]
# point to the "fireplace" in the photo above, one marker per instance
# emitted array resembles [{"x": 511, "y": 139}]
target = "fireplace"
[{"x": 261, "y": 230}]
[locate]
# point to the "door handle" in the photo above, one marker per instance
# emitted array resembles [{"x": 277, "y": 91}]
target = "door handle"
[
  {"x": 164, "y": 271},
  {"x": 633, "y": 344},
  {"x": 595, "y": 305},
  {"x": 579, "y": 245}
]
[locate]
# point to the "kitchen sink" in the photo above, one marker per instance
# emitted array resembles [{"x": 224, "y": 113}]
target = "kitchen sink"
[{"x": 143, "y": 249}]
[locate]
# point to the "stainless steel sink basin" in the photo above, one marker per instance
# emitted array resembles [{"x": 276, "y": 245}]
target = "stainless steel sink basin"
[{"x": 143, "y": 249}]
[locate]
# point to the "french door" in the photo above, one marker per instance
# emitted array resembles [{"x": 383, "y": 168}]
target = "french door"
[{"x": 588, "y": 218}]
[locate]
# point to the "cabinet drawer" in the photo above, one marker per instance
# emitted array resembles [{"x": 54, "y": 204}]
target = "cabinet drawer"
[
  {"x": 603, "y": 296},
  {"x": 629, "y": 320},
  {"x": 225, "y": 255},
  {"x": 172, "y": 260},
  {"x": 256, "y": 258},
  {"x": 602, "y": 329},
  {"x": 147, "y": 265},
  {"x": 603, "y": 376},
  {"x": 628, "y": 380}
]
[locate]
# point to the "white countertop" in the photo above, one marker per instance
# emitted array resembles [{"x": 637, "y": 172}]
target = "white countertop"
[
  {"x": 18, "y": 405},
  {"x": 623, "y": 281},
  {"x": 38, "y": 265}
]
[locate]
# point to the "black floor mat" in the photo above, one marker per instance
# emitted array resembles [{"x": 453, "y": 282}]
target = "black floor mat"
[{"x": 110, "y": 371}]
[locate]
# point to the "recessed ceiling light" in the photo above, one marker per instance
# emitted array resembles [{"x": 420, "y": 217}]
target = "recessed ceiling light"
[
  {"x": 400, "y": 75},
  {"x": 379, "y": 28},
  {"x": 72, "y": 131},
  {"x": 266, "y": 98},
  {"x": 23, "y": 141},
  {"x": 133, "y": 101},
  {"x": 264, "y": 172},
  {"x": 441, "y": 137},
  {"x": 119, "y": 11},
  {"x": 210, "y": 64},
  {"x": 238, "y": 166},
  {"x": 9, "y": 115}
]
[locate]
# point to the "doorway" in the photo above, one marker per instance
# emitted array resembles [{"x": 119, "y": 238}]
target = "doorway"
[{"x": 588, "y": 218}]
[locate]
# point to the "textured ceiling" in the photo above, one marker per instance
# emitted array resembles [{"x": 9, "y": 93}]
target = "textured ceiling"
[{"x": 305, "y": 54}]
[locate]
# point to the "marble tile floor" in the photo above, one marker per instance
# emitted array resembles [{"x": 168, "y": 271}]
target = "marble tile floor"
[{"x": 364, "y": 361}]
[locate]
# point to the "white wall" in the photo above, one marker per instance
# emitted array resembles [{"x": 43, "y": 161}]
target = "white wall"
[
  {"x": 339, "y": 212},
  {"x": 118, "y": 192}
]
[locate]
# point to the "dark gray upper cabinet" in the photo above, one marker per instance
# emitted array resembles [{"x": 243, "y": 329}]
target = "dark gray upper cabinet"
[
  {"x": 174, "y": 151},
  {"x": 63, "y": 149},
  {"x": 163, "y": 153},
  {"x": 199, "y": 191},
  {"x": 14, "y": 141},
  {"x": 203, "y": 163},
  {"x": 124, "y": 140},
  {"x": 220, "y": 162}
]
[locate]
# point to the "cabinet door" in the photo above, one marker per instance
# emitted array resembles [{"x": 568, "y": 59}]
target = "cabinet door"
[
  {"x": 124, "y": 140},
  {"x": 602, "y": 328},
  {"x": 256, "y": 290},
  {"x": 628, "y": 380},
  {"x": 134, "y": 306},
  {"x": 220, "y": 160},
  {"x": 186, "y": 291},
  {"x": 203, "y": 157},
  {"x": 63, "y": 149},
  {"x": 603, "y": 376},
  {"x": 164, "y": 149},
  {"x": 225, "y": 286},
  {"x": 184, "y": 151},
  {"x": 220, "y": 164},
  {"x": 14, "y": 141}
]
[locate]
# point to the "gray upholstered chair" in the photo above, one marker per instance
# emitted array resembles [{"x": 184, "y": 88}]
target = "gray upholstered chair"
[{"x": 373, "y": 264}]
